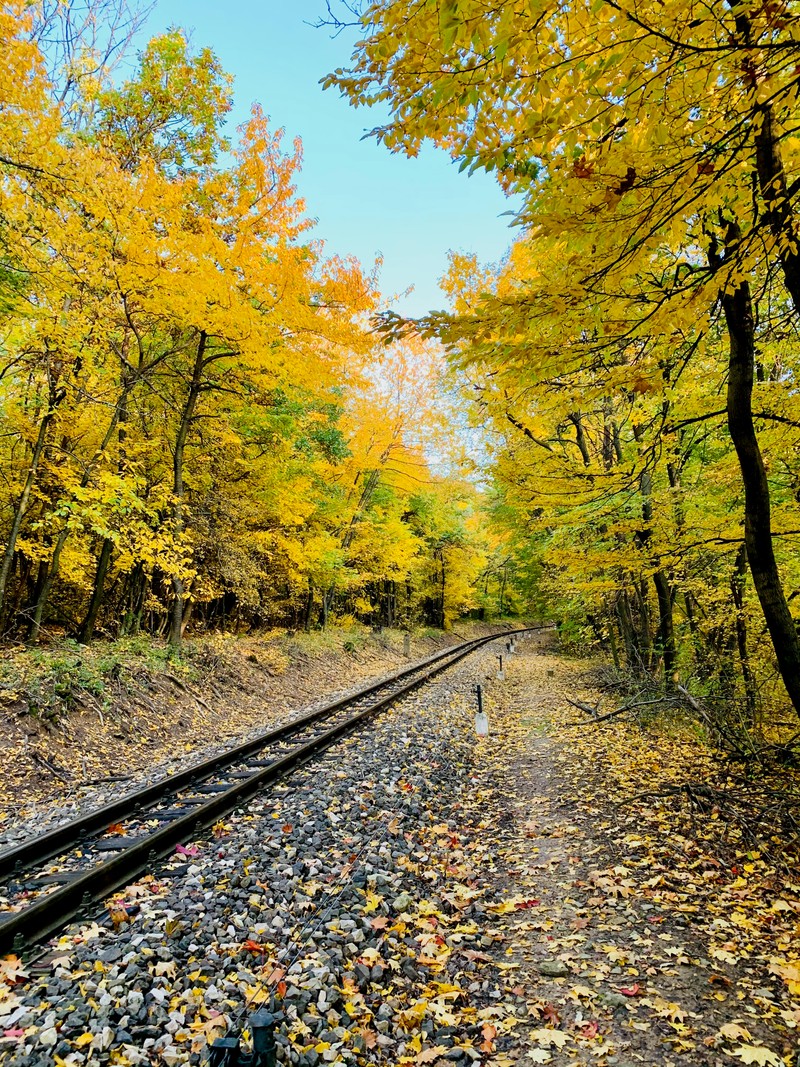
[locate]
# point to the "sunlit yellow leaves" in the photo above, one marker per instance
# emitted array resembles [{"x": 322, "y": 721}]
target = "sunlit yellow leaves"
[
  {"x": 757, "y": 1054},
  {"x": 550, "y": 1038},
  {"x": 789, "y": 971},
  {"x": 304, "y": 463}
]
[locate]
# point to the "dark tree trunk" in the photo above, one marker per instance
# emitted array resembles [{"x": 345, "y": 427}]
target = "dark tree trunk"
[
  {"x": 666, "y": 626},
  {"x": 737, "y": 592},
  {"x": 645, "y": 631},
  {"x": 139, "y": 585},
  {"x": 779, "y": 211},
  {"x": 35, "y": 628},
  {"x": 86, "y": 631},
  {"x": 24, "y": 586},
  {"x": 580, "y": 437},
  {"x": 367, "y": 490},
  {"x": 612, "y": 642},
  {"x": 737, "y": 305},
  {"x": 628, "y": 632},
  {"x": 309, "y": 607},
  {"x": 195, "y": 386},
  {"x": 442, "y": 588},
  {"x": 22, "y": 504}
]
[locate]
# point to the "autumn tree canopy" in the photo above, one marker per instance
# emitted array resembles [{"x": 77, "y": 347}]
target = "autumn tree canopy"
[
  {"x": 200, "y": 424},
  {"x": 635, "y": 357}
]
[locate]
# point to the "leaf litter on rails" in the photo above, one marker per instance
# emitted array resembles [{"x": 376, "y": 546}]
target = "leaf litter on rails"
[{"x": 396, "y": 916}]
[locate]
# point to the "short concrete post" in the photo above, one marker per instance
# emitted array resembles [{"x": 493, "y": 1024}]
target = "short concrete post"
[{"x": 481, "y": 718}]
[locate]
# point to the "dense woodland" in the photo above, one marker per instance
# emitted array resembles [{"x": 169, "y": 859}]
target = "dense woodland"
[
  {"x": 635, "y": 358},
  {"x": 209, "y": 420},
  {"x": 200, "y": 425}
]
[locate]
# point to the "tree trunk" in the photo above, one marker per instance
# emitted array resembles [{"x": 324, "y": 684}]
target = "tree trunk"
[
  {"x": 35, "y": 628},
  {"x": 737, "y": 592},
  {"x": 22, "y": 504},
  {"x": 308, "y": 608},
  {"x": 666, "y": 626},
  {"x": 86, "y": 631},
  {"x": 24, "y": 586},
  {"x": 176, "y": 613},
  {"x": 580, "y": 437},
  {"x": 44, "y": 594},
  {"x": 442, "y": 588},
  {"x": 645, "y": 631},
  {"x": 612, "y": 642},
  {"x": 628, "y": 632},
  {"x": 738, "y": 309},
  {"x": 779, "y": 213}
]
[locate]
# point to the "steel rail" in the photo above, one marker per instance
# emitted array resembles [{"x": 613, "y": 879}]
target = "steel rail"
[
  {"x": 43, "y": 918},
  {"x": 39, "y": 849}
]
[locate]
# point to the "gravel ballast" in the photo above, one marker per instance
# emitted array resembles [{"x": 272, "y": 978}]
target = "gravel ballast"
[{"x": 332, "y": 890}]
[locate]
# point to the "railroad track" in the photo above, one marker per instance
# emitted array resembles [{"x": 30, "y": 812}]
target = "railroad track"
[{"x": 56, "y": 877}]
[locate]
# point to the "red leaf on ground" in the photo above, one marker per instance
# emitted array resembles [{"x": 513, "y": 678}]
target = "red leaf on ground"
[
  {"x": 489, "y": 1033},
  {"x": 522, "y": 905},
  {"x": 632, "y": 991},
  {"x": 550, "y": 1013},
  {"x": 589, "y": 1030},
  {"x": 252, "y": 946}
]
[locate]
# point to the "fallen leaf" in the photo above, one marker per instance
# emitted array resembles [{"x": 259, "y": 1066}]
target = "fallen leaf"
[
  {"x": 556, "y": 1038},
  {"x": 735, "y": 1032},
  {"x": 12, "y": 970},
  {"x": 757, "y": 1054}
]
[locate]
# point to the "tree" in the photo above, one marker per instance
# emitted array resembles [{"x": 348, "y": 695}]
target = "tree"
[{"x": 649, "y": 215}]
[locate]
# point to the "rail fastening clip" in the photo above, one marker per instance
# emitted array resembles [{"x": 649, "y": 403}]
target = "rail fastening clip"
[{"x": 226, "y": 1052}]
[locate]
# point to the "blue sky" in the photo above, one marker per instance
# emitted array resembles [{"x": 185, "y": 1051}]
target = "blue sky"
[{"x": 367, "y": 200}]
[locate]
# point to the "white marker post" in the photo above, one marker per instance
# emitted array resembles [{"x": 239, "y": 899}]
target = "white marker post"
[
  {"x": 481, "y": 718},
  {"x": 501, "y": 674}
]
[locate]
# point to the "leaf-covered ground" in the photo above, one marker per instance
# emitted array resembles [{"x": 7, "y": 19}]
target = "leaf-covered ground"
[
  {"x": 641, "y": 928},
  {"x": 425, "y": 897}
]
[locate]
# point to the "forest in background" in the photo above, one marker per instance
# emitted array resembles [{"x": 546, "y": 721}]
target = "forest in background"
[
  {"x": 201, "y": 427},
  {"x": 635, "y": 357},
  {"x": 210, "y": 422}
]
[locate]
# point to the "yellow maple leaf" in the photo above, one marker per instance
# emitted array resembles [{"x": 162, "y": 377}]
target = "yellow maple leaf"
[{"x": 764, "y": 1057}]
